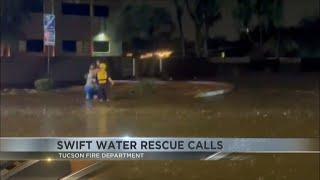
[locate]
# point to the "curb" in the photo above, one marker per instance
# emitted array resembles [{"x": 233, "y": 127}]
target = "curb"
[{"x": 226, "y": 89}]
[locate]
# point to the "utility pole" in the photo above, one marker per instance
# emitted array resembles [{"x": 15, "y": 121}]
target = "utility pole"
[
  {"x": 51, "y": 10},
  {"x": 133, "y": 67},
  {"x": 91, "y": 28}
]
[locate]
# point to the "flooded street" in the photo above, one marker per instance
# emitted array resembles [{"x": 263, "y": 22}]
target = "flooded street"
[
  {"x": 260, "y": 108},
  {"x": 258, "y": 167},
  {"x": 171, "y": 110}
]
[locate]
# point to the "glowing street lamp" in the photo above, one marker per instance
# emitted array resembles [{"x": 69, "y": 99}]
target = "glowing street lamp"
[
  {"x": 162, "y": 55},
  {"x": 129, "y": 54},
  {"x": 146, "y": 55}
]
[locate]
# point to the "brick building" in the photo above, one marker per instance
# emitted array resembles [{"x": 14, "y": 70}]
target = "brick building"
[{"x": 82, "y": 29}]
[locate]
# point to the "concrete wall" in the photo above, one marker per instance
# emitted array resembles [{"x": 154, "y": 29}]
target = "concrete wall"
[{"x": 22, "y": 71}]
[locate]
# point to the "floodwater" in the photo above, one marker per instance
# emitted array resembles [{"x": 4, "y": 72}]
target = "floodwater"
[{"x": 257, "y": 107}]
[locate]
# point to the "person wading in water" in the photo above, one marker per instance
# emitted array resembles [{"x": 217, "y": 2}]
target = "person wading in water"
[
  {"x": 104, "y": 82},
  {"x": 89, "y": 87}
]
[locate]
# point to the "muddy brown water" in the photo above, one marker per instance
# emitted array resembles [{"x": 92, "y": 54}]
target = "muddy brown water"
[{"x": 248, "y": 111}]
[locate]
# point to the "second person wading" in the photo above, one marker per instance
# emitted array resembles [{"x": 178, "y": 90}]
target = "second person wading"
[{"x": 104, "y": 82}]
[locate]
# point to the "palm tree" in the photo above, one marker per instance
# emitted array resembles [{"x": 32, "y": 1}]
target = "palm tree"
[
  {"x": 267, "y": 12},
  {"x": 244, "y": 13},
  {"x": 193, "y": 7},
  {"x": 261, "y": 7},
  {"x": 275, "y": 20},
  {"x": 179, "y": 6},
  {"x": 211, "y": 13},
  {"x": 91, "y": 27},
  {"x": 204, "y": 14}
]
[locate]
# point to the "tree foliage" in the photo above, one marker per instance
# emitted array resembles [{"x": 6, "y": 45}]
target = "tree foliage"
[
  {"x": 204, "y": 14},
  {"x": 179, "y": 8},
  {"x": 267, "y": 13},
  {"x": 243, "y": 13},
  {"x": 143, "y": 21}
]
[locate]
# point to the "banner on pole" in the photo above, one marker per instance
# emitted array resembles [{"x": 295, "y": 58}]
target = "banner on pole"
[{"x": 49, "y": 29}]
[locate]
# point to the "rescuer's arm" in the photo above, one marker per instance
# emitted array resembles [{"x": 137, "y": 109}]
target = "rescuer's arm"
[{"x": 110, "y": 80}]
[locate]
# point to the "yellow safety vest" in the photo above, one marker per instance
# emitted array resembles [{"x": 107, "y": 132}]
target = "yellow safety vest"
[{"x": 102, "y": 77}]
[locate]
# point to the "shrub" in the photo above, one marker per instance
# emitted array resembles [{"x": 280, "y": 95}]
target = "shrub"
[{"x": 43, "y": 84}]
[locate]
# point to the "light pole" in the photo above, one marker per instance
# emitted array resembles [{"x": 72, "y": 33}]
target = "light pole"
[
  {"x": 48, "y": 36},
  {"x": 159, "y": 54},
  {"x": 160, "y": 65},
  {"x": 162, "y": 55},
  {"x": 133, "y": 67},
  {"x": 133, "y": 64}
]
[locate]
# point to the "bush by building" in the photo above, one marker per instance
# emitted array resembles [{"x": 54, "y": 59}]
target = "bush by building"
[{"x": 43, "y": 84}]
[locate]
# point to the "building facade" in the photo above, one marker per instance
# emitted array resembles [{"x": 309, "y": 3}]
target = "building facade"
[{"x": 82, "y": 29}]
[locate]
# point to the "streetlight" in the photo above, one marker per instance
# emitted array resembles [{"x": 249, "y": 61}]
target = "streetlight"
[
  {"x": 133, "y": 64},
  {"x": 162, "y": 55}
]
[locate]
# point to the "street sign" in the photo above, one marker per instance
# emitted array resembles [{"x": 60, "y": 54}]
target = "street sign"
[{"x": 49, "y": 29}]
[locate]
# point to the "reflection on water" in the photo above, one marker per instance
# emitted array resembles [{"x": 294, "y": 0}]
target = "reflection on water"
[
  {"x": 289, "y": 109},
  {"x": 89, "y": 104}
]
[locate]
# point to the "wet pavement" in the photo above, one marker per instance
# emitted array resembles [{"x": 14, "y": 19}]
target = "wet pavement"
[{"x": 255, "y": 108}]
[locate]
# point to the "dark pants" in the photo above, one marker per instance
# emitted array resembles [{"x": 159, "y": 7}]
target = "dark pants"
[{"x": 103, "y": 91}]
